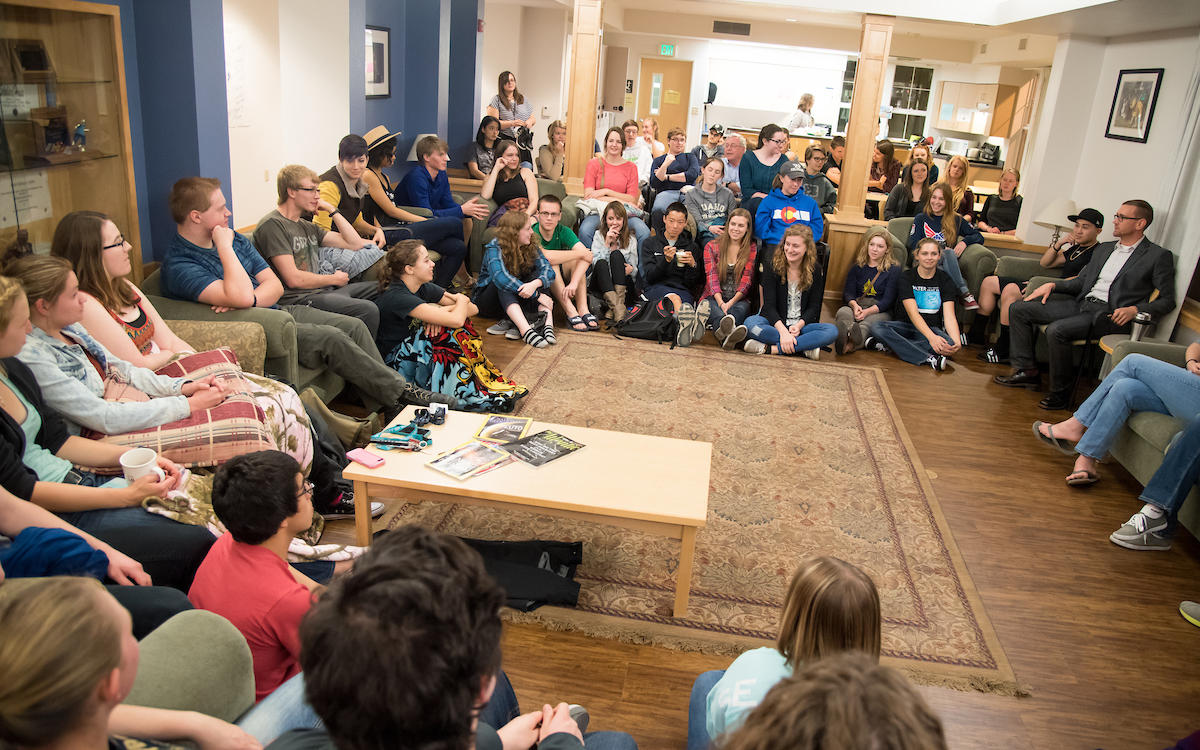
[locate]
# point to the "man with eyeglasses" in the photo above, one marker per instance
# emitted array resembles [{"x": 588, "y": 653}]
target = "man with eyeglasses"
[
  {"x": 571, "y": 260},
  {"x": 670, "y": 173},
  {"x": 295, "y": 247},
  {"x": 263, "y": 502},
  {"x": 816, "y": 185},
  {"x": 1112, "y": 288}
]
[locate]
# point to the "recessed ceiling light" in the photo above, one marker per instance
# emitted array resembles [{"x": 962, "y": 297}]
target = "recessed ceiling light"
[{"x": 792, "y": 20}]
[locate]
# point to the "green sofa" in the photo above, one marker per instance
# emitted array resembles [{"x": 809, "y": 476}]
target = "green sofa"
[
  {"x": 976, "y": 262},
  {"x": 278, "y": 327},
  {"x": 1140, "y": 445}
]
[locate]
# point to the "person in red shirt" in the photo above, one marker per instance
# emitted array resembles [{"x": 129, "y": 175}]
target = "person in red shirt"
[{"x": 263, "y": 501}]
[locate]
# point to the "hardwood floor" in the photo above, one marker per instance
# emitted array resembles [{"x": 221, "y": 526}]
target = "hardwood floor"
[{"x": 1091, "y": 630}]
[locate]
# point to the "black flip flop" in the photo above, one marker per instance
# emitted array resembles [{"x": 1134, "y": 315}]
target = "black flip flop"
[{"x": 1064, "y": 447}]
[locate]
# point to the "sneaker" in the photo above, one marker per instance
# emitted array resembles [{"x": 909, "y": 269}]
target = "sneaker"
[
  {"x": 754, "y": 346},
  {"x": 874, "y": 344},
  {"x": 735, "y": 337},
  {"x": 989, "y": 355},
  {"x": 962, "y": 340},
  {"x": 728, "y": 323},
  {"x": 813, "y": 354},
  {"x": 1190, "y": 612},
  {"x": 843, "y": 336},
  {"x": 580, "y": 715},
  {"x": 939, "y": 362},
  {"x": 698, "y": 329},
  {"x": 1142, "y": 532},
  {"x": 969, "y": 302},
  {"x": 418, "y": 396},
  {"x": 344, "y": 506},
  {"x": 501, "y": 327},
  {"x": 512, "y": 334}
]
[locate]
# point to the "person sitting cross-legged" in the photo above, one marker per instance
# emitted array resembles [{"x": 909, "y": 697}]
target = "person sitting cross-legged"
[
  {"x": 793, "y": 285},
  {"x": 570, "y": 259},
  {"x": 925, "y": 331},
  {"x": 514, "y": 282}
]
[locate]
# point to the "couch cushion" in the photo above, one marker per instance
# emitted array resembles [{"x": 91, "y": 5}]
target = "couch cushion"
[{"x": 1156, "y": 429}]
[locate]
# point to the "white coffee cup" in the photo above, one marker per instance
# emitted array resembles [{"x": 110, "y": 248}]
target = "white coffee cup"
[{"x": 138, "y": 462}]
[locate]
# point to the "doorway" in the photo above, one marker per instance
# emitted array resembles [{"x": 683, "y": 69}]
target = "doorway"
[{"x": 664, "y": 93}]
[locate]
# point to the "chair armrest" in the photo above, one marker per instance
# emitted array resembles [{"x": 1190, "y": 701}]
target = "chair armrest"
[
  {"x": 417, "y": 210},
  {"x": 247, "y": 340},
  {"x": 1175, "y": 354},
  {"x": 1015, "y": 267},
  {"x": 977, "y": 263}
]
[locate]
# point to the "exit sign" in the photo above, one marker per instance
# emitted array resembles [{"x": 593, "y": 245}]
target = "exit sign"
[{"x": 666, "y": 50}]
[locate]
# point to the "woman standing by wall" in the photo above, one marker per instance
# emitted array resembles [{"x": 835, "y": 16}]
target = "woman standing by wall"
[{"x": 510, "y": 108}]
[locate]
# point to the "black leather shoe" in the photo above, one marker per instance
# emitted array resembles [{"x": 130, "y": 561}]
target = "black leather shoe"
[
  {"x": 1054, "y": 401},
  {"x": 1019, "y": 379}
]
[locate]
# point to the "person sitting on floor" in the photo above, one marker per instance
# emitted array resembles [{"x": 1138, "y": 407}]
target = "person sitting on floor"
[
  {"x": 297, "y": 249},
  {"x": 786, "y": 206},
  {"x": 441, "y": 234},
  {"x": 729, "y": 262},
  {"x": 570, "y": 259},
  {"x": 481, "y": 161},
  {"x": 515, "y": 282},
  {"x": 264, "y": 502},
  {"x": 428, "y": 186},
  {"x": 848, "y": 700},
  {"x": 610, "y": 177},
  {"x": 671, "y": 172},
  {"x": 1001, "y": 211},
  {"x": 1118, "y": 283},
  {"x": 793, "y": 285},
  {"x": 408, "y": 648},
  {"x": 669, "y": 262},
  {"x": 1070, "y": 254},
  {"x": 925, "y": 331},
  {"x": 815, "y": 184},
  {"x": 939, "y": 222},
  {"x": 614, "y": 259},
  {"x": 708, "y": 203},
  {"x": 870, "y": 290},
  {"x": 831, "y": 607},
  {"x": 428, "y": 336},
  {"x": 208, "y": 262}
]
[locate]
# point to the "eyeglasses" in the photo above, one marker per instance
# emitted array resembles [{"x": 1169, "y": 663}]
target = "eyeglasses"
[
  {"x": 310, "y": 190},
  {"x": 119, "y": 243},
  {"x": 550, "y": 214},
  {"x": 1119, "y": 217},
  {"x": 779, "y": 142}
]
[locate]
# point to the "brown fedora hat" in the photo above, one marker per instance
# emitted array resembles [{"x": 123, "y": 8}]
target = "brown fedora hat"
[{"x": 377, "y": 135}]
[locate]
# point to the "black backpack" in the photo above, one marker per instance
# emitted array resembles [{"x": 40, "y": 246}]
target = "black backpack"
[{"x": 655, "y": 321}]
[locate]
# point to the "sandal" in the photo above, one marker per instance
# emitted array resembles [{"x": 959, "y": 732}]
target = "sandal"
[
  {"x": 1089, "y": 477},
  {"x": 548, "y": 334},
  {"x": 1059, "y": 444},
  {"x": 591, "y": 322},
  {"x": 534, "y": 339},
  {"x": 575, "y": 322}
]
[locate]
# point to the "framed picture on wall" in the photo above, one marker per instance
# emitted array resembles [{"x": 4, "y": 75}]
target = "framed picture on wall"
[
  {"x": 379, "y": 78},
  {"x": 1133, "y": 104}
]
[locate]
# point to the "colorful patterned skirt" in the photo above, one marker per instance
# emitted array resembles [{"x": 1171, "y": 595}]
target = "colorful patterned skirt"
[{"x": 453, "y": 363}]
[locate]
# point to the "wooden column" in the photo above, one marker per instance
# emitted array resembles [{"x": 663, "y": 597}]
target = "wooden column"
[
  {"x": 864, "y": 113},
  {"x": 581, "y": 103}
]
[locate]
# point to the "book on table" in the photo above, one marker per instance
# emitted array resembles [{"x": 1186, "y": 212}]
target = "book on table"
[
  {"x": 498, "y": 428},
  {"x": 541, "y": 448},
  {"x": 468, "y": 459}
]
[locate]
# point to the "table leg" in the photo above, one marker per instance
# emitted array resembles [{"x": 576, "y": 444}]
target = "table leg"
[
  {"x": 683, "y": 576},
  {"x": 362, "y": 513}
]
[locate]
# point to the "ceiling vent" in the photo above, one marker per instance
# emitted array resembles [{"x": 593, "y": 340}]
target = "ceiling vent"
[
  {"x": 983, "y": 48},
  {"x": 728, "y": 27},
  {"x": 1023, "y": 42}
]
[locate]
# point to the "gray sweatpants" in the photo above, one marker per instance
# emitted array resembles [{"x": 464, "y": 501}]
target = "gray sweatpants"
[{"x": 344, "y": 346}]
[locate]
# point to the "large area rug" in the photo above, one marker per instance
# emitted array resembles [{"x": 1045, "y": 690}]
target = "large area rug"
[{"x": 808, "y": 459}]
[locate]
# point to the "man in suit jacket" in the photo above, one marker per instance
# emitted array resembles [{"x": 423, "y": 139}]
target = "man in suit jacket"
[{"x": 1112, "y": 288}]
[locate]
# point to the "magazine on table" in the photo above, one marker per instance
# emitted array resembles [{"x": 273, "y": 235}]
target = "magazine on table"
[
  {"x": 467, "y": 460},
  {"x": 502, "y": 429},
  {"x": 541, "y": 448}
]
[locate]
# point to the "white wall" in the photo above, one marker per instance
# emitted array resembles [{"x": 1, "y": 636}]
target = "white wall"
[
  {"x": 531, "y": 42},
  {"x": 252, "y": 72},
  {"x": 768, "y": 77},
  {"x": 288, "y": 103},
  {"x": 502, "y": 42}
]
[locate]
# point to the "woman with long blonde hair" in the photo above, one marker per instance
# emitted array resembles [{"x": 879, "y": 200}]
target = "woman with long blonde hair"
[
  {"x": 515, "y": 281},
  {"x": 831, "y": 607},
  {"x": 958, "y": 177},
  {"x": 729, "y": 270},
  {"x": 870, "y": 290},
  {"x": 792, "y": 289}
]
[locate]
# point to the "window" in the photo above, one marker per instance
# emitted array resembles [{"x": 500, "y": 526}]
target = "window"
[
  {"x": 847, "y": 95},
  {"x": 910, "y": 101}
]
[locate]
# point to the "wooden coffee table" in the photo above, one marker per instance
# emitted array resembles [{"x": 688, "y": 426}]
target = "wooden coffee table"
[{"x": 652, "y": 484}]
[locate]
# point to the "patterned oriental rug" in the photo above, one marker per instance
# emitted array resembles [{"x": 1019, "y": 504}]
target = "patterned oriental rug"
[{"x": 808, "y": 459}]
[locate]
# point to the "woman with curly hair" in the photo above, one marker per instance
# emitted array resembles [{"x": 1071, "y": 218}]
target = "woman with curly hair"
[
  {"x": 792, "y": 287},
  {"x": 428, "y": 337},
  {"x": 515, "y": 281}
]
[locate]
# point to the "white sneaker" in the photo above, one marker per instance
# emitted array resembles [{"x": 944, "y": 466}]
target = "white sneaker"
[
  {"x": 813, "y": 354},
  {"x": 501, "y": 327},
  {"x": 1142, "y": 532},
  {"x": 754, "y": 346}
]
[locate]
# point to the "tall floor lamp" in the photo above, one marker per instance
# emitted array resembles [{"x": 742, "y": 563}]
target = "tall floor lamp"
[{"x": 1054, "y": 217}]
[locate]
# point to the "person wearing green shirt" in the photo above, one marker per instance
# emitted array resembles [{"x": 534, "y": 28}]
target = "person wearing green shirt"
[{"x": 571, "y": 260}]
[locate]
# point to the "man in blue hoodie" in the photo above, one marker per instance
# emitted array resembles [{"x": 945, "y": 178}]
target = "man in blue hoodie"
[{"x": 783, "y": 207}]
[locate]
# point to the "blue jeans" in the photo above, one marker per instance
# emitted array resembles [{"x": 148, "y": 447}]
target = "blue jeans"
[
  {"x": 663, "y": 199},
  {"x": 1178, "y": 473},
  {"x": 812, "y": 336},
  {"x": 285, "y": 709},
  {"x": 905, "y": 341},
  {"x": 698, "y": 738},
  {"x": 502, "y": 708},
  {"x": 1137, "y": 383},
  {"x": 591, "y": 222},
  {"x": 949, "y": 264},
  {"x": 739, "y": 310},
  {"x": 168, "y": 550}
]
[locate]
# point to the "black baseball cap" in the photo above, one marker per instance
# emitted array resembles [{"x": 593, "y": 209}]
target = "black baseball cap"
[
  {"x": 1089, "y": 214},
  {"x": 719, "y": 129}
]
